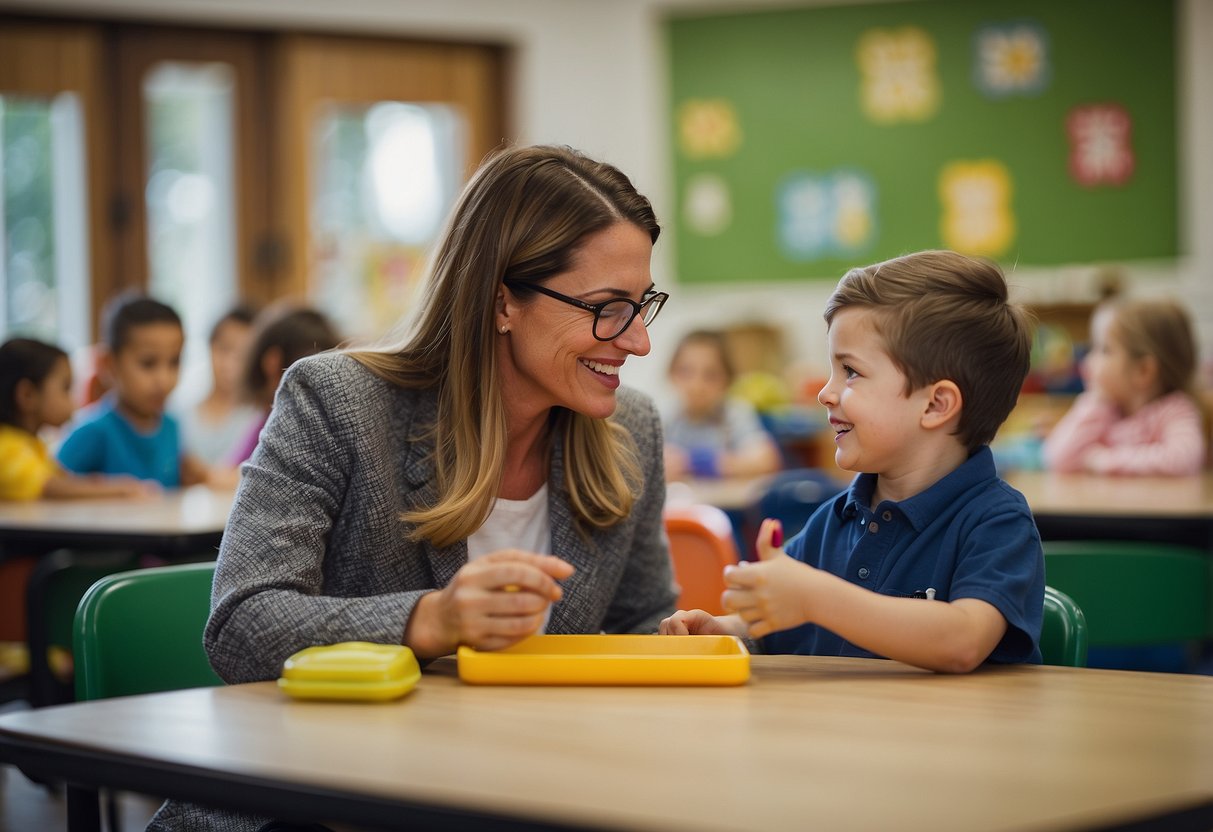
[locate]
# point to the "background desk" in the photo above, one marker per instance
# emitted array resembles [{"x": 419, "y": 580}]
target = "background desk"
[
  {"x": 176, "y": 521},
  {"x": 810, "y": 742},
  {"x": 175, "y": 524},
  {"x": 1085, "y": 506}
]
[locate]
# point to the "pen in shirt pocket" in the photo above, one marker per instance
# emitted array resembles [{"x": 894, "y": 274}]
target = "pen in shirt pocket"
[{"x": 928, "y": 593}]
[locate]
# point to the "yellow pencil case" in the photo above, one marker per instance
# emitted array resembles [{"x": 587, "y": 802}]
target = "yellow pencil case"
[
  {"x": 610, "y": 660},
  {"x": 351, "y": 670}
]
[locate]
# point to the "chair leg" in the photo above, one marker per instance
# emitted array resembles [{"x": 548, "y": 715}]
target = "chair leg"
[
  {"x": 110, "y": 798},
  {"x": 83, "y": 809}
]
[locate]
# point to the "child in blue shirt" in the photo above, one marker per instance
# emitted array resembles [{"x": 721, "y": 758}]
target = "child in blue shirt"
[
  {"x": 928, "y": 558},
  {"x": 128, "y": 431}
]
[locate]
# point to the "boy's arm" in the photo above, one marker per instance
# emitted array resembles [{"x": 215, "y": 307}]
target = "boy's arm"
[
  {"x": 780, "y": 592},
  {"x": 81, "y": 450},
  {"x": 64, "y": 485}
]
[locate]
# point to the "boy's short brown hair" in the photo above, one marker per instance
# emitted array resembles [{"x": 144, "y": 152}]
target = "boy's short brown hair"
[{"x": 946, "y": 316}]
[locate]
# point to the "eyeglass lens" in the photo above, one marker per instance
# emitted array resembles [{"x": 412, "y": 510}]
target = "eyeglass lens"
[{"x": 616, "y": 315}]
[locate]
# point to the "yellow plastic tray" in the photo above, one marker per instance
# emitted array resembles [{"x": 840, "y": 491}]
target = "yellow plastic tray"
[
  {"x": 355, "y": 670},
  {"x": 610, "y": 660}
]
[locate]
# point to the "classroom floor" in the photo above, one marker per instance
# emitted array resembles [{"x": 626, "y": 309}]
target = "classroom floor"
[{"x": 26, "y": 806}]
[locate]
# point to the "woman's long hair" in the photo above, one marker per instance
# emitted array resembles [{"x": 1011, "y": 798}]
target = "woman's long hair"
[{"x": 521, "y": 217}]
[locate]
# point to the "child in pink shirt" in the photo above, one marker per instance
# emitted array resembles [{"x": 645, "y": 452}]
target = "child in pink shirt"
[{"x": 1139, "y": 414}]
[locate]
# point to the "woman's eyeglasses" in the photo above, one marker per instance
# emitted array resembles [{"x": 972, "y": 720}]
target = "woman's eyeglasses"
[{"x": 611, "y": 317}]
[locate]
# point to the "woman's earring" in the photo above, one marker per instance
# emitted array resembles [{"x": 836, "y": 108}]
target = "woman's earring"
[{"x": 504, "y": 329}]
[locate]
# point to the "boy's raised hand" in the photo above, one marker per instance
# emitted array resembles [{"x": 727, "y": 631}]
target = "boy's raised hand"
[{"x": 772, "y": 594}]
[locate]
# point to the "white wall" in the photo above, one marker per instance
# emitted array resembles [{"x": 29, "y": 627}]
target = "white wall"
[{"x": 592, "y": 74}]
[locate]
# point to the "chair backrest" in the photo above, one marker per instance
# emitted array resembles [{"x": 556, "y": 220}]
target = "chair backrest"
[
  {"x": 1134, "y": 593},
  {"x": 1063, "y": 632},
  {"x": 701, "y": 546},
  {"x": 141, "y": 631},
  {"x": 791, "y": 497}
]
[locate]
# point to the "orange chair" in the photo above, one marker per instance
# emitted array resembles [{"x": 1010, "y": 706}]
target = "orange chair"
[{"x": 701, "y": 546}]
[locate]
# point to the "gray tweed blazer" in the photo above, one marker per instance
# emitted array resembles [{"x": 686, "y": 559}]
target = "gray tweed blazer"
[{"x": 315, "y": 553}]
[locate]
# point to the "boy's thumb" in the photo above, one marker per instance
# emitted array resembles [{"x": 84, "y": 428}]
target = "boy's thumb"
[{"x": 770, "y": 539}]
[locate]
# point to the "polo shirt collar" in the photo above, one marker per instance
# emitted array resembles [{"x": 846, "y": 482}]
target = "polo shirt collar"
[{"x": 928, "y": 504}]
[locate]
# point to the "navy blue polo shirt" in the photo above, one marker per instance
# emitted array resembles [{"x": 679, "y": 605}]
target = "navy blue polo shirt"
[{"x": 970, "y": 535}]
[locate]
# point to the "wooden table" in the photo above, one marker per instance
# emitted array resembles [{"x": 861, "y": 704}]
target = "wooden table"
[
  {"x": 1073, "y": 506},
  {"x": 809, "y": 742}
]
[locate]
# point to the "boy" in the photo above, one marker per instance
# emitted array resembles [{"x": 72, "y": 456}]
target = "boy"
[
  {"x": 928, "y": 558},
  {"x": 128, "y": 432}
]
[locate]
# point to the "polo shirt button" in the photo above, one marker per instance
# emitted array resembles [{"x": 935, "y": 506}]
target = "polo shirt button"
[
  {"x": 888, "y": 515},
  {"x": 864, "y": 572},
  {"x": 873, "y": 527}
]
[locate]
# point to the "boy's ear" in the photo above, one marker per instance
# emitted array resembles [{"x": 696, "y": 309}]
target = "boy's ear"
[
  {"x": 944, "y": 404},
  {"x": 105, "y": 366},
  {"x": 271, "y": 364}
]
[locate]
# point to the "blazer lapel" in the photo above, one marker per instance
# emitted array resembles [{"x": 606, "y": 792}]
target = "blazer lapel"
[{"x": 419, "y": 480}]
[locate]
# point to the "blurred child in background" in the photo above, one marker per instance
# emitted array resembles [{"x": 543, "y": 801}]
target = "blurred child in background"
[
  {"x": 282, "y": 335},
  {"x": 710, "y": 433},
  {"x": 215, "y": 427},
  {"x": 128, "y": 431},
  {"x": 1139, "y": 414},
  {"x": 35, "y": 393}
]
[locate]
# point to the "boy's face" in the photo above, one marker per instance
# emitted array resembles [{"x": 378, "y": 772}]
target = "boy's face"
[
  {"x": 700, "y": 378},
  {"x": 145, "y": 370},
  {"x": 876, "y": 424},
  {"x": 228, "y": 354}
]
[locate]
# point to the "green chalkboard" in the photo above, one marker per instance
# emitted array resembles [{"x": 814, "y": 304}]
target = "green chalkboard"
[{"x": 809, "y": 140}]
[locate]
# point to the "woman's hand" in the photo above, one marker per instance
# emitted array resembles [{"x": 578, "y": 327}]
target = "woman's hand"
[{"x": 491, "y": 603}]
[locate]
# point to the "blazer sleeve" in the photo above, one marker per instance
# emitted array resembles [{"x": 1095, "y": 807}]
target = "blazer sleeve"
[{"x": 268, "y": 599}]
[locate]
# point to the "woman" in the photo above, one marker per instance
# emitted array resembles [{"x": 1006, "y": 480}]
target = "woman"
[{"x": 483, "y": 481}]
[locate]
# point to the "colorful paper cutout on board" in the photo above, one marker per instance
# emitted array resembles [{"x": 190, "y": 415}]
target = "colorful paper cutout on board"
[
  {"x": 1101, "y": 149},
  {"x": 899, "y": 81},
  {"x": 831, "y": 214},
  {"x": 708, "y": 129},
  {"x": 976, "y": 200},
  {"x": 1011, "y": 59}
]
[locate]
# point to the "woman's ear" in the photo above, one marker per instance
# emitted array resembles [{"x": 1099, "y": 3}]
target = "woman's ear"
[
  {"x": 504, "y": 305},
  {"x": 944, "y": 404}
]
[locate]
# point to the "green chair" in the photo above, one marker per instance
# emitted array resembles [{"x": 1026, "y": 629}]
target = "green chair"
[
  {"x": 1063, "y": 632},
  {"x": 1134, "y": 594},
  {"x": 141, "y": 632}
]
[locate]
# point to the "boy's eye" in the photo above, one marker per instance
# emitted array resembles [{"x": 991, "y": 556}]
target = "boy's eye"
[{"x": 849, "y": 371}]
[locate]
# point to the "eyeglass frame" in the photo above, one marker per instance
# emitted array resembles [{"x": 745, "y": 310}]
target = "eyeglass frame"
[{"x": 596, "y": 308}]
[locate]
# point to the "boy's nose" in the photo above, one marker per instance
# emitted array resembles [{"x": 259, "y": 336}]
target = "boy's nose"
[{"x": 825, "y": 395}]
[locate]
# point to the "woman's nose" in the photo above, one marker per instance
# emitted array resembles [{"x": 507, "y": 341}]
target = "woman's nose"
[{"x": 635, "y": 338}]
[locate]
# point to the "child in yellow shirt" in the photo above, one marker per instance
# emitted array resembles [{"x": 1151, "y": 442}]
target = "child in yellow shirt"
[{"x": 35, "y": 392}]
